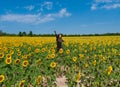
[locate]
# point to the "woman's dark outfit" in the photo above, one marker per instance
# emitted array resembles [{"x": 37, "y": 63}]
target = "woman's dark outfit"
[{"x": 59, "y": 42}]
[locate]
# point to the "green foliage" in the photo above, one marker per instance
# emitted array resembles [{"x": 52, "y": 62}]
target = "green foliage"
[
  {"x": 52, "y": 35},
  {"x": 92, "y": 75}
]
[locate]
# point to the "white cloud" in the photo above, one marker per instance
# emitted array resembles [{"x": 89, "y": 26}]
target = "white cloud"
[
  {"x": 63, "y": 12},
  {"x": 31, "y": 7},
  {"x": 105, "y": 4},
  {"x": 93, "y": 7},
  {"x": 34, "y": 18},
  {"x": 106, "y": 1},
  {"x": 46, "y": 5},
  {"x": 103, "y": 1},
  {"x": 19, "y": 18},
  {"x": 113, "y": 6}
]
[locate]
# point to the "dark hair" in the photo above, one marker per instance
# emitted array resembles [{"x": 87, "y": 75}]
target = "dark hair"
[{"x": 58, "y": 35}]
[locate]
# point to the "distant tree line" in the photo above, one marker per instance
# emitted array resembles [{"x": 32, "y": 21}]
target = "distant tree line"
[{"x": 30, "y": 34}]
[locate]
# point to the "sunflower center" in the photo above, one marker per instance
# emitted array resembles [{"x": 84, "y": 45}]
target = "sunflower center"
[
  {"x": 21, "y": 85},
  {"x": 1, "y": 55},
  {"x": 8, "y": 56},
  {"x": 53, "y": 64},
  {"x": 25, "y": 63},
  {"x": 17, "y": 61},
  {"x": 8, "y": 60},
  {"x": 1, "y": 78}
]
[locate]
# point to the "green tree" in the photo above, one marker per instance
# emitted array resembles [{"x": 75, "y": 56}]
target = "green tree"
[
  {"x": 1, "y": 33},
  {"x": 24, "y": 33},
  {"x": 20, "y": 34},
  {"x": 30, "y": 33}
]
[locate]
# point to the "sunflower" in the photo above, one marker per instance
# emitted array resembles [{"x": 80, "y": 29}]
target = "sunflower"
[
  {"x": 18, "y": 49},
  {"x": 19, "y": 53},
  {"x": 48, "y": 56},
  {"x": 53, "y": 50},
  {"x": 25, "y": 63},
  {"x": 1, "y": 55},
  {"x": 5, "y": 49},
  {"x": 29, "y": 48},
  {"x": 75, "y": 67},
  {"x": 85, "y": 51},
  {"x": 28, "y": 56},
  {"x": 37, "y": 50},
  {"x": 94, "y": 62},
  {"x": 74, "y": 59},
  {"x": 24, "y": 57},
  {"x": 8, "y": 56},
  {"x": 11, "y": 51},
  {"x": 8, "y": 60},
  {"x": 53, "y": 64},
  {"x": 2, "y": 78},
  {"x": 43, "y": 49},
  {"x": 52, "y": 55},
  {"x": 109, "y": 70},
  {"x": 86, "y": 65},
  {"x": 103, "y": 59},
  {"x": 17, "y": 61},
  {"x": 81, "y": 55},
  {"x": 68, "y": 51},
  {"x": 39, "y": 61},
  {"x": 39, "y": 79},
  {"x": 61, "y": 50},
  {"x": 49, "y": 51},
  {"x": 21, "y": 84},
  {"x": 78, "y": 76}
]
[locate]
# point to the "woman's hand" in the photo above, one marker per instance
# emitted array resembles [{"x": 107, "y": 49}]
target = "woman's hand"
[{"x": 55, "y": 32}]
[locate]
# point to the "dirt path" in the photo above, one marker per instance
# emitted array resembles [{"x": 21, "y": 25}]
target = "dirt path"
[{"x": 61, "y": 81}]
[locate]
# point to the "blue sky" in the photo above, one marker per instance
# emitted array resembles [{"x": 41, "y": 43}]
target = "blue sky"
[{"x": 64, "y": 16}]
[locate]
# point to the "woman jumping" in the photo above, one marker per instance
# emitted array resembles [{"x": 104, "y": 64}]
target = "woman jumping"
[{"x": 58, "y": 40}]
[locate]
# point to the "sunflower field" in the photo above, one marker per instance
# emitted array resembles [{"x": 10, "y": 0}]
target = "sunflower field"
[{"x": 85, "y": 61}]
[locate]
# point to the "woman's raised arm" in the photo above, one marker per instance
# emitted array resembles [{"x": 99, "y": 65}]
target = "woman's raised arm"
[{"x": 55, "y": 33}]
